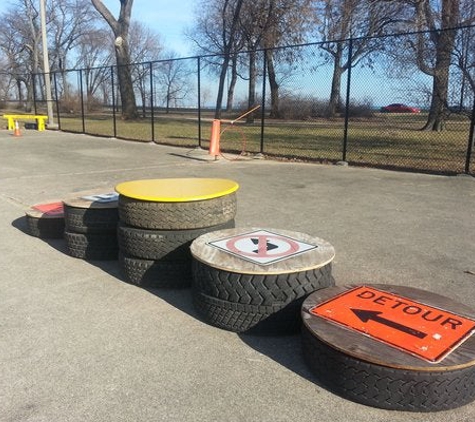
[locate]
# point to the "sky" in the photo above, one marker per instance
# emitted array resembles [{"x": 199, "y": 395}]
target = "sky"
[{"x": 169, "y": 18}]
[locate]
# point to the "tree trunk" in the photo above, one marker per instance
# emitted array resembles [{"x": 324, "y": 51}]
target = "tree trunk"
[
  {"x": 444, "y": 45},
  {"x": 335, "y": 94},
  {"x": 126, "y": 87},
  {"x": 232, "y": 84},
  {"x": 438, "y": 106},
  {"x": 274, "y": 87},
  {"x": 120, "y": 28},
  {"x": 440, "y": 83},
  {"x": 222, "y": 80}
]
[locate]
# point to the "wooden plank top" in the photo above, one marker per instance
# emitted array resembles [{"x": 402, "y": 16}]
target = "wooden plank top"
[
  {"x": 96, "y": 199},
  {"x": 177, "y": 190},
  {"x": 262, "y": 251},
  {"x": 46, "y": 210},
  {"x": 394, "y": 326}
]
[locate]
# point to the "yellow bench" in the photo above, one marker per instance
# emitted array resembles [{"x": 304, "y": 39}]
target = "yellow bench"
[{"x": 40, "y": 120}]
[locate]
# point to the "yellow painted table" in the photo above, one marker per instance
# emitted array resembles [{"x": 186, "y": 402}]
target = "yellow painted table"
[
  {"x": 177, "y": 190},
  {"x": 175, "y": 204}
]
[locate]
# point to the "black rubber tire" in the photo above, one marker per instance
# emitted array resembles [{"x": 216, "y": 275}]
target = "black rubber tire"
[
  {"x": 45, "y": 228},
  {"x": 155, "y": 273},
  {"x": 385, "y": 387},
  {"x": 278, "y": 319},
  {"x": 177, "y": 215},
  {"x": 92, "y": 246},
  {"x": 91, "y": 220},
  {"x": 161, "y": 244},
  {"x": 259, "y": 289}
]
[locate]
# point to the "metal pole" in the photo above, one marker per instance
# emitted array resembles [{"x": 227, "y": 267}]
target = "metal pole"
[
  {"x": 347, "y": 106},
  {"x": 114, "y": 117},
  {"x": 152, "y": 113},
  {"x": 56, "y": 99},
  {"x": 49, "y": 104},
  {"x": 199, "y": 101},
  {"x": 471, "y": 140},
  {"x": 263, "y": 103},
  {"x": 82, "y": 102}
]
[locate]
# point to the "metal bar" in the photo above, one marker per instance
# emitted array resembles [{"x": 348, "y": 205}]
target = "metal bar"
[
  {"x": 347, "y": 105},
  {"x": 199, "y": 100},
  {"x": 82, "y": 102},
  {"x": 471, "y": 140},
  {"x": 152, "y": 113},
  {"x": 114, "y": 117},
  {"x": 56, "y": 99}
]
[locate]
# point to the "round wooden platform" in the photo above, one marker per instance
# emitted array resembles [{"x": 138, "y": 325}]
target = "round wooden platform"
[
  {"x": 394, "y": 326},
  {"x": 46, "y": 220},
  {"x": 48, "y": 210},
  {"x": 262, "y": 251},
  {"x": 94, "y": 199},
  {"x": 255, "y": 280},
  {"x": 177, "y": 190}
]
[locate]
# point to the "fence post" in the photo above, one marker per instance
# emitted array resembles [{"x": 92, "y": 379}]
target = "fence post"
[
  {"x": 263, "y": 101},
  {"x": 56, "y": 99},
  {"x": 152, "y": 112},
  {"x": 114, "y": 122},
  {"x": 82, "y": 102},
  {"x": 471, "y": 140},
  {"x": 33, "y": 83},
  {"x": 199, "y": 100},
  {"x": 347, "y": 105}
]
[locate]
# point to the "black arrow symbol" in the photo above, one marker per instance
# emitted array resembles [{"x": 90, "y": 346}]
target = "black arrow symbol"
[
  {"x": 269, "y": 246},
  {"x": 365, "y": 316}
]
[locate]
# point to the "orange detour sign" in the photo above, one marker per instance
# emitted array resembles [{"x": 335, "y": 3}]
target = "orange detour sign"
[{"x": 424, "y": 331}]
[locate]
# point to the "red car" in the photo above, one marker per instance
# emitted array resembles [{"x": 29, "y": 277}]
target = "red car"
[{"x": 399, "y": 108}]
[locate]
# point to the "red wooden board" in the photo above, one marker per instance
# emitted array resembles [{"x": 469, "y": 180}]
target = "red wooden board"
[{"x": 53, "y": 208}]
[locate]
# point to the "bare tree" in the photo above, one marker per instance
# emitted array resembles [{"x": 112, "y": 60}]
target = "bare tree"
[
  {"x": 217, "y": 32},
  {"x": 20, "y": 41},
  {"x": 440, "y": 19},
  {"x": 120, "y": 28},
  {"x": 362, "y": 21},
  {"x": 289, "y": 23},
  {"x": 69, "y": 21},
  {"x": 173, "y": 77},
  {"x": 145, "y": 46},
  {"x": 464, "y": 55}
]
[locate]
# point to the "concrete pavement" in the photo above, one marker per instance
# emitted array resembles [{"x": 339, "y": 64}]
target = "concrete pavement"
[{"x": 79, "y": 344}]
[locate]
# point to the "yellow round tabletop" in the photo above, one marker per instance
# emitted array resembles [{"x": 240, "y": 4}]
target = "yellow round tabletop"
[{"x": 177, "y": 190}]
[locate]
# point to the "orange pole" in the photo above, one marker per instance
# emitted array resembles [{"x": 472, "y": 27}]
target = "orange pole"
[{"x": 214, "y": 141}]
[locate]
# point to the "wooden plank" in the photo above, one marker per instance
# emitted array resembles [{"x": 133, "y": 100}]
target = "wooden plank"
[
  {"x": 96, "y": 198},
  {"x": 210, "y": 249},
  {"x": 367, "y": 348},
  {"x": 48, "y": 210}
]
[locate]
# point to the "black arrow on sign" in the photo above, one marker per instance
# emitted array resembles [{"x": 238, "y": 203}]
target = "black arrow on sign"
[
  {"x": 365, "y": 316},
  {"x": 269, "y": 246}
]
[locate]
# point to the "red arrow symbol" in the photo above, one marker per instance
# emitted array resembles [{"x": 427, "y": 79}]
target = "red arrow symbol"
[{"x": 365, "y": 316}]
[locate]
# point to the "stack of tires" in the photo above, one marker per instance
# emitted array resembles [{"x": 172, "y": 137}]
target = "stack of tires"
[
  {"x": 46, "y": 221},
  {"x": 91, "y": 226},
  {"x": 254, "y": 280},
  {"x": 159, "y": 219}
]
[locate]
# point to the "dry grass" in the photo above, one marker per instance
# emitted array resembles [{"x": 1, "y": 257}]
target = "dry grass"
[{"x": 388, "y": 140}]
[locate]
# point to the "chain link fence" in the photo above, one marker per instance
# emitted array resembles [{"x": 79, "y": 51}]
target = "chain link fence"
[{"x": 320, "y": 102}]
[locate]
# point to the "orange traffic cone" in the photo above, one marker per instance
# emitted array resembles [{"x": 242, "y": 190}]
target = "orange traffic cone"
[
  {"x": 17, "y": 132},
  {"x": 214, "y": 141}
]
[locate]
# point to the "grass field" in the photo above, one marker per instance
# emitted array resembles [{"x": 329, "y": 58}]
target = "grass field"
[{"x": 386, "y": 140}]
